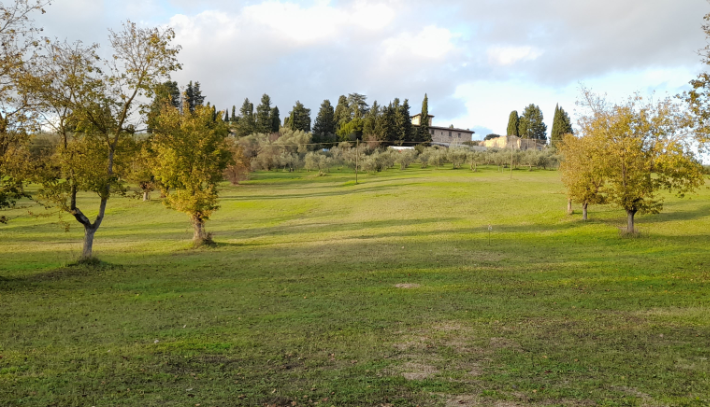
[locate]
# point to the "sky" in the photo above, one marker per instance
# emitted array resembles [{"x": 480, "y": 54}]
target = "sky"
[{"x": 476, "y": 59}]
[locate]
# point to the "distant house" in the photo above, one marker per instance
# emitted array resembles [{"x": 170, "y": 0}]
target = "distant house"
[
  {"x": 514, "y": 142},
  {"x": 444, "y": 136}
]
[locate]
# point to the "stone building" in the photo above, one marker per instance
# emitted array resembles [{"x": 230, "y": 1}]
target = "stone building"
[
  {"x": 444, "y": 136},
  {"x": 514, "y": 142}
]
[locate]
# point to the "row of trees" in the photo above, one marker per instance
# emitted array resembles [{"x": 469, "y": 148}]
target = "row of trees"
[
  {"x": 353, "y": 119},
  {"x": 530, "y": 124},
  {"x": 91, "y": 107}
]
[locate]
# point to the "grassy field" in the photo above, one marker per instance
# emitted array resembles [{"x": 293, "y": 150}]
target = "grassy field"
[{"x": 387, "y": 293}]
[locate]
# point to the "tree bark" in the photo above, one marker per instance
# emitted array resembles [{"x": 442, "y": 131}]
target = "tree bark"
[
  {"x": 569, "y": 206},
  {"x": 146, "y": 196},
  {"x": 87, "y": 251},
  {"x": 199, "y": 226},
  {"x": 584, "y": 211},
  {"x": 630, "y": 221}
]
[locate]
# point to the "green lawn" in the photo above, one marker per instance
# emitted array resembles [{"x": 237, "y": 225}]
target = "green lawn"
[{"x": 382, "y": 293}]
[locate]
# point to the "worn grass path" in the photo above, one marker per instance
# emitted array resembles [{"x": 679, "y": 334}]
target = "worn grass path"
[{"x": 383, "y": 293}]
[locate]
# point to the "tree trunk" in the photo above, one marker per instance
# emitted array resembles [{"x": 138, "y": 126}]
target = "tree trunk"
[
  {"x": 89, "y": 232},
  {"x": 199, "y": 226},
  {"x": 584, "y": 211},
  {"x": 146, "y": 196},
  {"x": 569, "y": 206},
  {"x": 630, "y": 221}
]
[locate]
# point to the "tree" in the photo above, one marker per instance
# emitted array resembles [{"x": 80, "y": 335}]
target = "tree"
[
  {"x": 324, "y": 126},
  {"x": 167, "y": 91},
  {"x": 423, "y": 134},
  {"x": 191, "y": 157},
  {"x": 342, "y": 112},
  {"x": 357, "y": 105},
  {"x": 275, "y": 117},
  {"x": 264, "y": 124},
  {"x": 561, "y": 125},
  {"x": 532, "y": 125},
  {"x": 97, "y": 106},
  {"x": 582, "y": 171},
  {"x": 369, "y": 125},
  {"x": 404, "y": 123},
  {"x": 300, "y": 118},
  {"x": 643, "y": 148},
  {"x": 698, "y": 99},
  {"x": 193, "y": 96},
  {"x": 18, "y": 113},
  {"x": 247, "y": 123},
  {"x": 513, "y": 124},
  {"x": 490, "y": 136}
]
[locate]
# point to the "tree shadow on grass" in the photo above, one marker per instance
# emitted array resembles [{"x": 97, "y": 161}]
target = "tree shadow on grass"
[{"x": 333, "y": 192}]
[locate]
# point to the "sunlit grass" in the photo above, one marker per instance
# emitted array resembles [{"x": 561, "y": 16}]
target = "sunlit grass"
[{"x": 300, "y": 298}]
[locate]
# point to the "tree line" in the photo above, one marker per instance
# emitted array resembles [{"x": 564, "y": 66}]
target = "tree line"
[{"x": 531, "y": 125}]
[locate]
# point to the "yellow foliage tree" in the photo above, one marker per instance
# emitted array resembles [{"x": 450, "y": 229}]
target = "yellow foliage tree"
[
  {"x": 582, "y": 172},
  {"x": 637, "y": 149},
  {"x": 191, "y": 154}
]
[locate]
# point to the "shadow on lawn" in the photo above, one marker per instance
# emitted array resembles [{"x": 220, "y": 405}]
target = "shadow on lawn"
[{"x": 334, "y": 192}]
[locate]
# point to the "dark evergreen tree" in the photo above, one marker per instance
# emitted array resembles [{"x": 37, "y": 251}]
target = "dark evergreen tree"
[
  {"x": 357, "y": 105},
  {"x": 342, "y": 112},
  {"x": 532, "y": 124},
  {"x": 300, "y": 118},
  {"x": 275, "y": 119},
  {"x": 193, "y": 95},
  {"x": 263, "y": 121},
  {"x": 561, "y": 125},
  {"x": 423, "y": 133},
  {"x": 405, "y": 129},
  {"x": 324, "y": 126},
  {"x": 513, "y": 124},
  {"x": 246, "y": 120},
  {"x": 165, "y": 92},
  {"x": 234, "y": 114},
  {"x": 226, "y": 116},
  {"x": 369, "y": 129},
  {"x": 386, "y": 124}
]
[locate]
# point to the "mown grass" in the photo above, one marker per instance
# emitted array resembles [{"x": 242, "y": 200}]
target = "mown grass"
[{"x": 298, "y": 302}]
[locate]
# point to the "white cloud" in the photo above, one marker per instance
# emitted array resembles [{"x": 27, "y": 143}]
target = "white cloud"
[
  {"x": 505, "y": 56},
  {"x": 430, "y": 43},
  {"x": 318, "y": 23}
]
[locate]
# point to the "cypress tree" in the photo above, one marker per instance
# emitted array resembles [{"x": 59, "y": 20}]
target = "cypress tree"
[
  {"x": 226, "y": 116},
  {"x": 234, "y": 113},
  {"x": 423, "y": 133},
  {"x": 263, "y": 121},
  {"x": 300, "y": 118},
  {"x": 513, "y": 124},
  {"x": 406, "y": 133},
  {"x": 561, "y": 125},
  {"x": 324, "y": 126},
  {"x": 275, "y": 119}
]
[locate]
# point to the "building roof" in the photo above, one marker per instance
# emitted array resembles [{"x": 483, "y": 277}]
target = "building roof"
[
  {"x": 449, "y": 128},
  {"x": 419, "y": 114}
]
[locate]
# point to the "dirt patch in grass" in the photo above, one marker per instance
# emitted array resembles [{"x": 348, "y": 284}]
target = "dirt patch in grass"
[
  {"x": 408, "y": 285},
  {"x": 504, "y": 343},
  {"x": 418, "y": 371}
]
